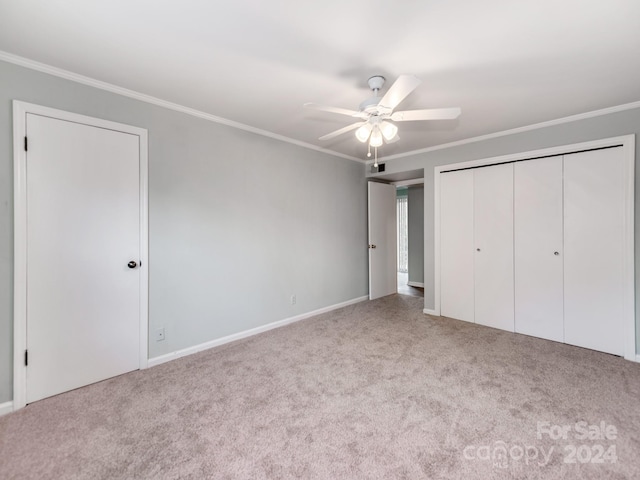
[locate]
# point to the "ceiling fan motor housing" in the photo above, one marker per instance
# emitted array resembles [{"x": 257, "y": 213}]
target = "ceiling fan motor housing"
[{"x": 370, "y": 105}]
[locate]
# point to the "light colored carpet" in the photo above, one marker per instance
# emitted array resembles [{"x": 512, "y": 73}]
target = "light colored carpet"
[{"x": 374, "y": 390}]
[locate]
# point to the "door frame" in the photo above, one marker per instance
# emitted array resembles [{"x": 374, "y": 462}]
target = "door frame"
[
  {"x": 20, "y": 111},
  {"x": 627, "y": 142},
  {"x": 408, "y": 183}
]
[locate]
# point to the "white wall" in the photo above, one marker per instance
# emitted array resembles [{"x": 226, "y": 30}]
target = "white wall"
[{"x": 237, "y": 222}]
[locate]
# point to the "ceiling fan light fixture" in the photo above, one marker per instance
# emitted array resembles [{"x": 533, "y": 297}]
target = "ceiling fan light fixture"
[
  {"x": 363, "y": 132},
  {"x": 389, "y": 130},
  {"x": 376, "y": 138},
  {"x": 394, "y": 139}
]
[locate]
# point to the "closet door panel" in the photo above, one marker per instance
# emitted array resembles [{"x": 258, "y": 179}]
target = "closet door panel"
[
  {"x": 593, "y": 238},
  {"x": 493, "y": 239},
  {"x": 538, "y": 248},
  {"x": 456, "y": 245}
]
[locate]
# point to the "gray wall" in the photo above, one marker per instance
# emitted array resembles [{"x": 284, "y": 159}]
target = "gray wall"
[
  {"x": 238, "y": 222},
  {"x": 416, "y": 233},
  {"x": 605, "y": 126}
]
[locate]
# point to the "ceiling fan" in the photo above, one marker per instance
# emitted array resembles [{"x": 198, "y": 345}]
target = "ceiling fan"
[{"x": 376, "y": 113}]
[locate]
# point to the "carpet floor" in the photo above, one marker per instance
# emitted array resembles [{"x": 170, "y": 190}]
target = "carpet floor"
[{"x": 374, "y": 390}]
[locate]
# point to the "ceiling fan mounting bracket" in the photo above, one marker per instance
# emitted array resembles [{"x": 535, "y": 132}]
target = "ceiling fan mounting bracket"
[{"x": 376, "y": 82}]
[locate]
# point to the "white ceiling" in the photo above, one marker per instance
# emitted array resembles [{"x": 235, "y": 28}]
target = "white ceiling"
[{"x": 506, "y": 63}]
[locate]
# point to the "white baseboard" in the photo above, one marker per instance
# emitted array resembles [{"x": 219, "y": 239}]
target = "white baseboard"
[
  {"x": 638, "y": 358},
  {"x": 430, "y": 311},
  {"x": 248, "y": 333},
  {"x": 416, "y": 284},
  {"x": 6, "y": 407}
]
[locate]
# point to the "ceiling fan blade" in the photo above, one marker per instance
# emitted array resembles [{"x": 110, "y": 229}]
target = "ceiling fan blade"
[
  {"x": 341, "y": 111},
  {"x": 403, "y": 86},
  {"x": 428, "y": 114},
  {"x": 342, "y": 130}
]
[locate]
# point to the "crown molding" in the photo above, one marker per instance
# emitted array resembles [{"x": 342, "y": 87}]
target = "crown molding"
[
  {"x": 92, "y": 82},
  {"x": 74, "y": 77},
  {"x": 526, "y": 128}
]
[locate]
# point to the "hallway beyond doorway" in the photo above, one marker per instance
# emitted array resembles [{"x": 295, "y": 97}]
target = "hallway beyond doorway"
[{"x": 404, "y": 289}]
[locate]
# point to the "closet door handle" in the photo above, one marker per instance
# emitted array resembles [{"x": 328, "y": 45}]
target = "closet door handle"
[
  {"x": 556, "y": 253},
  {"x": 478, "y": 249}
]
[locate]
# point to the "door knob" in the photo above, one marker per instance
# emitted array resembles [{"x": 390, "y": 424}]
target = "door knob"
[
  {"x": 556, "y": 253},
  {"x": 372, "y": 246},
  {"x": 132, "y": 264},
  {"x": 477, "y": 249}
]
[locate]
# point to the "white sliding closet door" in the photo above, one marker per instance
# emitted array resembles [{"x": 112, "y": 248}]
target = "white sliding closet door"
[
  {"x": 593, "y": 236},
  {"x": 456, "y": 245},
  {"x": 538, "y": 248},
  {"x": 493, "y": 238}
]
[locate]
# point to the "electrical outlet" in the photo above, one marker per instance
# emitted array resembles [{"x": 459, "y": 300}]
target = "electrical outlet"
[
  {"x": 293, "y": 299},
  {"x": 160, "y": 334}
]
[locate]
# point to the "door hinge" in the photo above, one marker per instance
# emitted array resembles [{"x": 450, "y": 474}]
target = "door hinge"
[
  {"x": 26, "y": 358},
  {"x": 26, "y": 144}
]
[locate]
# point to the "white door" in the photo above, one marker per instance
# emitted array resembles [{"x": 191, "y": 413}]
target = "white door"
[
  {"x": 456, "y": 245},
  {"x": 383, "y": 275},
  {"x": 593, "y": 262},
  {"x": 538, "y": 248},
  {"x": 83, "y": 228},
  {"x": 493, "y": 238}
]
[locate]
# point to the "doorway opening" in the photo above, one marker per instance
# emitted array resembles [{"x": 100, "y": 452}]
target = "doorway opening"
[
  {"x": 384, "y": 233},
  {"x": 410, "y": 234}
]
